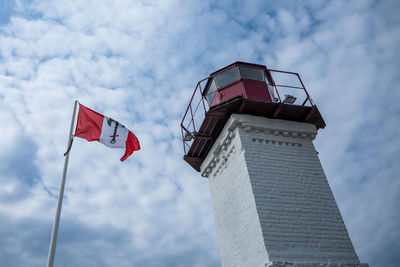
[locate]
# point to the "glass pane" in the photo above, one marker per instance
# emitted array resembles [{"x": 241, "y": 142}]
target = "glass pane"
[
  {"x": 268, "y": 78},
  {"x": 212, "y": 87},
  {"x": 210, "y": 91},
  {"x": 252, "y": 74},
  {"x": 271, "y": 90},
  {"x": 226, "y": 77},
  {"x": 210, "y": 98}
]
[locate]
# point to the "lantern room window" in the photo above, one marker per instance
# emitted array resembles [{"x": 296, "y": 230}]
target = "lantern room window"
[
  {"x": 220, "y": 80},
  {"x": 226, "y": 77},
  {"x": 211, "y": 91},
  {"x": 252, "y": 74}
]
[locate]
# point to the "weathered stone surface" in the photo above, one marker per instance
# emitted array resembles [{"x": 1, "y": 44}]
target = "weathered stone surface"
[{"x": 272, "y": 203}]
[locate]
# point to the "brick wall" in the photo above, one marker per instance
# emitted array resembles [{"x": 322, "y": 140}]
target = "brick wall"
[
  {"x": 239, "y": 231},
  {"x": 272, "y": 202}
]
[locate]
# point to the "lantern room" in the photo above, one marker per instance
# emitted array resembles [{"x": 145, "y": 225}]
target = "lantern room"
[
  {"x": 242, "y": 88},
  {"x": 245, "y": 80}
]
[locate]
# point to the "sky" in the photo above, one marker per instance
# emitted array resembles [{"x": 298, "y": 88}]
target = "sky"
[{"x": 138, "y": 62}]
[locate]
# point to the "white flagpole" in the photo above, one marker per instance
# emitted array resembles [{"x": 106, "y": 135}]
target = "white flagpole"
[{"x": 54, "y": 234}]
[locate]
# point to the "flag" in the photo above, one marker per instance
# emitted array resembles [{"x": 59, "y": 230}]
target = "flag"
[{"x": 94, "y": 126}]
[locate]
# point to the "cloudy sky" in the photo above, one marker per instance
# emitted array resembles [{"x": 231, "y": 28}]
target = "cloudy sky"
[{"x": 138, "y": 62}]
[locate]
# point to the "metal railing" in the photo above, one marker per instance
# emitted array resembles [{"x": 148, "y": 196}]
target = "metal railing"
[{"x": 198, "y": 105}]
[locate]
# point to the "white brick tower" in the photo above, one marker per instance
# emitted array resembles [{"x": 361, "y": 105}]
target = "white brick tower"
[{"x": 272, "y": 202}]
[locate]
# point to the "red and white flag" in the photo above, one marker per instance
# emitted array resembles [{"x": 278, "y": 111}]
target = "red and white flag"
[{"x": 94, "y": 126}]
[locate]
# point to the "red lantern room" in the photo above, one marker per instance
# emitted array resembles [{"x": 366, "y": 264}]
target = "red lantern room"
[{"x": 242, "y": 88}]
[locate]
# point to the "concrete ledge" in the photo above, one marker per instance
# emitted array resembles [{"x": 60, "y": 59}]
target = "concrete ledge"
[
  {"x": 313, "y": 264},
  {"x": 249, "y": 123},
  {"x": 273, "y": 126}
]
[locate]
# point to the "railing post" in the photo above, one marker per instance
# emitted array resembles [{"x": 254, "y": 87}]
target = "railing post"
[
  {"x": 191, "y": 112},
  {"x": 202, "y": 100},
  {"x": 273, "y": 85},
  {"x": 308, "y": 96},
  {"x": 279, "y": 97}
]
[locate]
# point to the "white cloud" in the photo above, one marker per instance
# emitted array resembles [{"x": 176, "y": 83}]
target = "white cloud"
[{"x": 138, "y": 63}]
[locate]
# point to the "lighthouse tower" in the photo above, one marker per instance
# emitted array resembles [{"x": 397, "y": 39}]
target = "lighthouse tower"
[{"x": 250, "y": 131}]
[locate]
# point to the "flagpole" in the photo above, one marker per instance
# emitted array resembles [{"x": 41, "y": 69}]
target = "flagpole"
[{"x": 54, "y": 234}]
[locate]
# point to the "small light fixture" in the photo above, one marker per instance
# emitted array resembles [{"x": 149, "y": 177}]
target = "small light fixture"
[
  {"x": 289, "y": 99},
  {"x": 188, "y": 136}
]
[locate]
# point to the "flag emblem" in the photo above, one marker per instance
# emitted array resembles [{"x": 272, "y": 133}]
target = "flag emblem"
[{"x": 94, "y": 126}]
